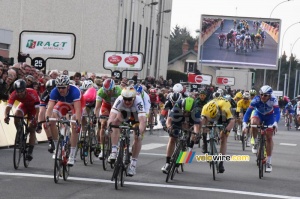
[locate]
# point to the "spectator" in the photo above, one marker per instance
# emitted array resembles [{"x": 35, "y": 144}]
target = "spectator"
[
  {"x": 65, "y": 72},
  {"x": 77, "y": 78},
  {"x": 54, "y": 74},
  {"x": 135, "y": 77},
  {"x": 29, "y": 81},
  {"x": 92, "y": 76}
]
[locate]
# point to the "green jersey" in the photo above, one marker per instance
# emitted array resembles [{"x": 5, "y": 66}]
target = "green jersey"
[{"x": 102, "y": 95}]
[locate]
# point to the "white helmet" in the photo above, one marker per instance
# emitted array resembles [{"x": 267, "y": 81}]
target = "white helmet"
[
  {"x": 266, "y": 90},
  {"x": 177, "y": 88},
  {"x": 62, "y": 81},
  {"x": 128, "y": 92},
  {"x": 246, "y": 95},
  {"x": 86, "y": 84},
  {"x": 220, "y": 91}
]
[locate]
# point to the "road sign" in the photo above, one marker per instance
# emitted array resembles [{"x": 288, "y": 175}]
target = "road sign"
[
  {"x": 199, "y": 79},
  {"x": 228, "y": 81},
  {"x": 117, "y": 74},
  {"x": 38, "y": 62}
]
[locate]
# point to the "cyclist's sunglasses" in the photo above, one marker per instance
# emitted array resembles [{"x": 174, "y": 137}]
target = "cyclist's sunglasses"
[
  {"x": 264, "y": 95},
  {"x": 61, "y": 88},
  {"x": 127, "y": 99}
]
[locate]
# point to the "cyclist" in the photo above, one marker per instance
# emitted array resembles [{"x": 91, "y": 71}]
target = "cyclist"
[
  {"x": 65, "y": 98},
  {"x": 221, "y": 38},
  {"x": 289, "y": 112},
  {"x": 171, "y": 100},
  {"x": 146, "y": 99},
  {"x": 263, "y": 37},
  {"x": 298, "y": 111},
  {"x": 184, "y": 114},
  {"x": 154, "y": 100},
  {"x": 218, "y": 110},
  {"x": 128, "y": 107},
  {"x": 106, "y": 96},
  {"x": 266, "y": 110},
  {"x": 29, "y": 105},
  {"x": 50, "y": 84},
  {"x": 241, "y": 108},
  {"x": 257, "y": 40},
  {"x": 230, "y": 38},
  {"x": 252, "y": 94}
]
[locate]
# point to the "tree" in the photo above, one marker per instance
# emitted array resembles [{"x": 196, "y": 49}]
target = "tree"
[{"x": 177, "y": 38}]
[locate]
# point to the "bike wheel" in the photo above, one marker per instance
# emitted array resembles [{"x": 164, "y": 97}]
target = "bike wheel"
[
  {"x": 261, "y": 157},
  {"x": 106, "y": 152},
  {"x": 66, "y": 167},
  {"x": 85, "y": 148},
  {"x": 170, "y": 174},
  {"x": 243, "y": 141},
  {"x": 122, "y": 176},
  {"x": 171, "y": 169},
  {"x": 212, "y": 163},
  {"x": 58, "y": 160},
  {"x": 17, "y": 150},
  {"x": 119, "y": 165},
  {"x": 25, "y": 147}
]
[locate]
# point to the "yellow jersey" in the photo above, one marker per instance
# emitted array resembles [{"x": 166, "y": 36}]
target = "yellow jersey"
[
  {"x": 242, "y": 105},
  {"x": 224, "y": 108}
]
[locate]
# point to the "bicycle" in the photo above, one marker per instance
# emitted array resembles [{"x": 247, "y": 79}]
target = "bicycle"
[
  {"x": 261, "y": 152},
  {"x": 181, "y": 145},
  {"x": 212, "y": 140},
  {"x": 21, "y": 146},
  {"x": 106, "y": 147},
  {"x": 62, "y": 148},
  {"x": 152, "y": 116},
  {"x": 123, "y": 157},
  {"x": 244, "y": 138},
  {"x": 89, "y": 140},
  {"x": 288, "y": 122}
]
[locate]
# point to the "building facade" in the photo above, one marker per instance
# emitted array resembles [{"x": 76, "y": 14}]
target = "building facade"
[{"x": 116, "y": 25}]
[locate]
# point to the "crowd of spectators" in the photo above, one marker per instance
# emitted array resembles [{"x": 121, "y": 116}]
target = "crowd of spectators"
[{"x": 208, "y": 22}]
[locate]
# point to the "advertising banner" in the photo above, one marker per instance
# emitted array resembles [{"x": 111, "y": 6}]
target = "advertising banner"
[
  {"x": 50, "y": 44},
  {"x": 227, "y": 81},
  {"x": 119, "y": 60}
]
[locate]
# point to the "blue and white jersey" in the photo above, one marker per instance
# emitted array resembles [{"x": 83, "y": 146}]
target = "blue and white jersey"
[
  {"x": 73, "y": 95},
  {"x": 268, "y": 108},
  {"x": 289, "y": 108}
]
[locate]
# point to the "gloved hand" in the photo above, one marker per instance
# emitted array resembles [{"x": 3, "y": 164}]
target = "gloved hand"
[
  {"x": 6, "y": 120},
  {"x": 275, "y": 125},
  {"x": 244, "y": 125}
]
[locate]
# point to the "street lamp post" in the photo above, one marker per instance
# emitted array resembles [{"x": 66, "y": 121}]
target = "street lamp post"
[
  {"x": 265, "y": 72},
  {"x": 290, "y": 66},
  {"x": 279, "y": 68},
  {"x": 158, "y": 35},
  {"x": 149, "y": 4}
]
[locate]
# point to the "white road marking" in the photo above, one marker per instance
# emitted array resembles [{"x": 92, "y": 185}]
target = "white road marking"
[
  {"x": 288, "y": 144},
  {"x": 152, "y": 146},
  {"x": 158, "y": 185},
  {"x": 155, "y": 154}
]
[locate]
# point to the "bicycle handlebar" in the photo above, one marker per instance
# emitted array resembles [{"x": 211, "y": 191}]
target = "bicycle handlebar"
[{"x": 18, "y": 117}]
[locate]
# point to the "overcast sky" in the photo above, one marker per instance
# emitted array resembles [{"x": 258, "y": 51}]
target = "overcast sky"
[{"x": 187, "y": 13}]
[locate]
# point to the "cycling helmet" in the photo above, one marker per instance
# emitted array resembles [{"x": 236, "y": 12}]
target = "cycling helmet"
[
  {"x": 177, "y": 88},
  {"x": 175, "y": 97},
  {"x": 239, "y": 95},
  {"x": 289, "y": 104},
  {"x": 20, "y": 85},
  {"x": 62, "y": 81},
  {"x": 212, "y": 109},
  {"x": 86, "y": 84},
  {"x": 50, "y": 84},
  {"x": 231, "y": 31},
  {"x": 138, "y": 88},
  {"x": 220, "y": 91},
  {"x": 266, "y": 90},
  {"x": 187, "y": 104},
  {"x": 108, "y": 84},
  {"x": 128, "y": 92},
  {"x": 152, "y": 91},
  {"x": 252, "y": 92},
  {"x": 246, "y": 95},
  {"x": 216, "y": 94}
]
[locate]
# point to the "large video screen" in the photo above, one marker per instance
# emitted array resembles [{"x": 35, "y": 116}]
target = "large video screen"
[{"x": 239, "y": 42}]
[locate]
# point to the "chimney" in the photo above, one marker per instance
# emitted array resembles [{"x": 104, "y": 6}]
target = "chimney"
[
  {"x": 196, "y": 46},
  {"x": 185, "y": 47}
]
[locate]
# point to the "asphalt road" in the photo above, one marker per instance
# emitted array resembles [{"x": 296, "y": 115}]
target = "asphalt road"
[
  {"x": 212, "y": 55},
  {"x": 240, "y": 179}
]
